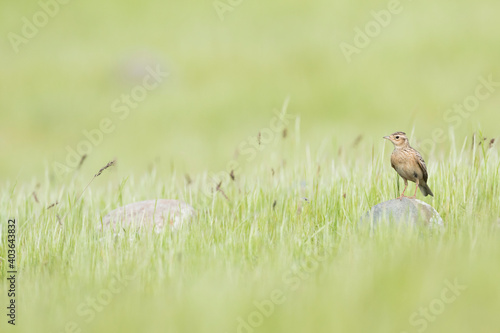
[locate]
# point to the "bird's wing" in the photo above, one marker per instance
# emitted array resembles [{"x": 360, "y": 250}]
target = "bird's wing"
[{"x": 421, "y": 163}]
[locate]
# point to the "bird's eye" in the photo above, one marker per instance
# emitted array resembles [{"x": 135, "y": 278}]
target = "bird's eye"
[{"x": 397, "y": 137}]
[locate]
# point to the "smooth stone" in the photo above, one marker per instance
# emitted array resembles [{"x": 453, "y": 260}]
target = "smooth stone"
[
  {"x": 150, "y": 213},
  {"x": 406, "y": 211}
]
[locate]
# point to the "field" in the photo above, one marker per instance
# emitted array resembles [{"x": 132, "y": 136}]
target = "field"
[{"x": 293, "y": 100}]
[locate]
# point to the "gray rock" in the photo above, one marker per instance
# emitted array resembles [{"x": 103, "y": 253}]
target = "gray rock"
[
  {"x": 155, "y": 214},
  {"x": 406, "y": 211}
]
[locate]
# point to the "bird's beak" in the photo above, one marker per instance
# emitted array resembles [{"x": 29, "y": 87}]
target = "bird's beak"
[{"x": 386, "y": 137}]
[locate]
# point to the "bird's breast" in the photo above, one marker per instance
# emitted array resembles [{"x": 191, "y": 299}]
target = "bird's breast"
[{"x": 405, "y": 165}]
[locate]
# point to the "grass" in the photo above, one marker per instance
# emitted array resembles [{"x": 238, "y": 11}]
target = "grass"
[
  {"x": 256, "y": 239},
  {"x": 227, "y": 76},
  {"x": 293, "y": 266}
]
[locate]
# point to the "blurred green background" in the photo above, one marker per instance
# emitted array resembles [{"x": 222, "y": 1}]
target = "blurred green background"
[{"x": 227, "y": 76}]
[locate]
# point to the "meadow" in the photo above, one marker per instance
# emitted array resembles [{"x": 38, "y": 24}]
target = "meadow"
[
  {"x": 265, "y": 259},
  {"x": 254, "y": 115}
]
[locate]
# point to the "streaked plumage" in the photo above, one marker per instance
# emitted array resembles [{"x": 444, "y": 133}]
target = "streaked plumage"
[{"x": 409, "y": 164}]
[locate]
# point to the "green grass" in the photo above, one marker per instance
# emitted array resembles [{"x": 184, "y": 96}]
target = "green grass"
[
  {"x": 226, "y": 78},
  {"x": 323, "y": 272}
]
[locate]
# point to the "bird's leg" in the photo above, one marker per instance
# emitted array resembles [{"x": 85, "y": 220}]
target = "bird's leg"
[
  {"x": 416, "y": 188},
  {"x": 403, "y": 194}
]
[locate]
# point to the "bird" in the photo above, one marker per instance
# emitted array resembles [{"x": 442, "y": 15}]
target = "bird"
[{"x": 409, "y": 164}]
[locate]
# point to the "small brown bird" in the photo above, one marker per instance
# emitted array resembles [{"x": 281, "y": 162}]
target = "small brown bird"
[{"x": 409, "y": 164}]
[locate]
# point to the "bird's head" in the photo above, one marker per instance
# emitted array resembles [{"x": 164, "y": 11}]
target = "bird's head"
[{"x": 399, "y": 139}]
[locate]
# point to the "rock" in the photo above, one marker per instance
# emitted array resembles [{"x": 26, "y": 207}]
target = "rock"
[
  {"x": 407, "y": 211},
  {"x": 150, "y": 214}
]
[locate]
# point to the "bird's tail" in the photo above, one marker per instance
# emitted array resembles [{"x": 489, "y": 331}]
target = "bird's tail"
[{"x": 424, "y": 188}]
